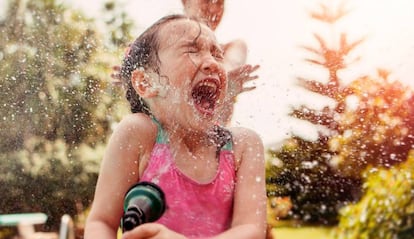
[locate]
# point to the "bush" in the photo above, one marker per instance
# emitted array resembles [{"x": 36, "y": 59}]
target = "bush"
[
  {"x": 386, "y": 210},
  {"x": 49, "y": 177},
  {"x": 301, "y": 171}
]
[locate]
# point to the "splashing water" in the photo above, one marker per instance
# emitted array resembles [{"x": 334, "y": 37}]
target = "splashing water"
[{"x": 162, "y": 170}]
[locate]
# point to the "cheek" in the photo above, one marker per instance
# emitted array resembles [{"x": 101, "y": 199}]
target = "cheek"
[
  {"x": 191, "y": 62},
  {"x": 186, "y": 65},
  {"x": 180, "y": 92},
  {"x": 175, "y": 100}
]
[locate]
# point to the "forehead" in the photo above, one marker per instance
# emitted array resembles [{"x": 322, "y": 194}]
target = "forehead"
[{"x": 184, "y": 30}]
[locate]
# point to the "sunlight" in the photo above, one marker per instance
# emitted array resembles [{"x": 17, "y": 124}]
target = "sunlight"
[
  {"x": 386, "y": 26},
  {"x": 380, "y": 15}
]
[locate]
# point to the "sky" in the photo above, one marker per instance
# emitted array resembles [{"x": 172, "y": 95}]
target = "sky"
[{"x": 274, "y": 31}]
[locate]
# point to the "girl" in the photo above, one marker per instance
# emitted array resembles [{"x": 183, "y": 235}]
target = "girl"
[{"x": 213, "y": 178}]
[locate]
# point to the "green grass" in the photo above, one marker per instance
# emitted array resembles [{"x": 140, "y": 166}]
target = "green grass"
[{"x": 304, "y": 232}]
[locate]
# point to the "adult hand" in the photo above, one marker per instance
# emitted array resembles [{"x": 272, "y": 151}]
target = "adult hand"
[{"x": 152, "y": 231}]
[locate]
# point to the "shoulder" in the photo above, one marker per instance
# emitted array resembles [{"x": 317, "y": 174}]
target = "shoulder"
[
  {"x": 136, "y": 123},
  {"x": 243, "y": 136},
  {"x": 135, "y": 130},
  {"x": 247, "y": 144}
]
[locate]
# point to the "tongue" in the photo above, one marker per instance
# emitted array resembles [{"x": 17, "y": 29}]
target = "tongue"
[{"x": 205, "y": 104}]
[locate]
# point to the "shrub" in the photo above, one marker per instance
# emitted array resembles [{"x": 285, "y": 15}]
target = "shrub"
[{"x": 386, "y": 210}]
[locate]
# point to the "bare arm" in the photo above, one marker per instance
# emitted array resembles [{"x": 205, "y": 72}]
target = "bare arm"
[
  {"x": 235, "y": 54},
  {"x": 119, "y": 171},
  {"x": 249, "y": 212}
]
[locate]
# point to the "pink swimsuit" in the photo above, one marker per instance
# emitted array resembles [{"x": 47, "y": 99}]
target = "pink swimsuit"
[{"x": 193, "y": 209}]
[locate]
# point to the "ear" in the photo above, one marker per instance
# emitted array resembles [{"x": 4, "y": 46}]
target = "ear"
[{"x": 142, "y": 84}]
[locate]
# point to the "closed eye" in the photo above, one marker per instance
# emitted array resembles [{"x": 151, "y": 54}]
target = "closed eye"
[
  {"x": 217, "y": 53},
  {"x": 191, "y": 48}
]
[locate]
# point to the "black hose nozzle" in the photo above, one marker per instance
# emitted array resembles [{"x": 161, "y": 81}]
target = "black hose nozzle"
[{"x": 144, "y": 202}]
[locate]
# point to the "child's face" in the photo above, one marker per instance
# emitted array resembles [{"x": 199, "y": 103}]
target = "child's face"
[{"x": 191, "y": 66}]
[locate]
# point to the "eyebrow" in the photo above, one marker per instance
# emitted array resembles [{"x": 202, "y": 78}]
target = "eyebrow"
[
  {"x": 195, "y": 43},
  {"x": 189, "y": 43}
]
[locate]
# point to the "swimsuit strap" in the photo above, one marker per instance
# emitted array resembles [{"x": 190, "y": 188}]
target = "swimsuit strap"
[
  {"x": 162, "y": 137},
  {"x": 228, "y": 145}
]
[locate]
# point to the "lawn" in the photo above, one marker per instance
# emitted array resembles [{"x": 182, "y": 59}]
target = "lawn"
[{"x": 302, "y": 232}]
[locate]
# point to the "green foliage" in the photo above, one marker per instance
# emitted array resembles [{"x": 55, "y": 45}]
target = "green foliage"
[
  {"x": 49, "y": 177},
  {"x": 301, "y": 170},
  {"x": 305, "y": 174},
  {"x": 119, "y": 24},
  {"x": 377, "y": 131},
  {"x": 387, "y": 209},
  {"x": 370, "y": 125},
  {"x": 58, "y": 108}
]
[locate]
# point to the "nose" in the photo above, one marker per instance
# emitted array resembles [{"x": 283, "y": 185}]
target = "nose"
[{"x": 210, "y": 65}]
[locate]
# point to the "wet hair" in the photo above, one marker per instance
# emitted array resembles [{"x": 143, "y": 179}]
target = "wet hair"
[{"x": 143, "y": 53}]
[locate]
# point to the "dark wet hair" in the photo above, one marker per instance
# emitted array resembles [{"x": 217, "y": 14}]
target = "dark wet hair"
[{"x": 143, "y": 53}]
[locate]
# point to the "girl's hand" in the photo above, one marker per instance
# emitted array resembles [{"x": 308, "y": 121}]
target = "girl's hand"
[
  {"x": 238, "y": 77},
  {"x": 116, "y": 75},
  {"x": 152, "y": 231}
]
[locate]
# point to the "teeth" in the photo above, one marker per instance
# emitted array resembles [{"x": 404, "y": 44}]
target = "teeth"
[{"x": 209, "y": 84}]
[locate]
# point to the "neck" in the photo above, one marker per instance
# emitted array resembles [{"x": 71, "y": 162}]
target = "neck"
[{"x": 191, "y": 139}]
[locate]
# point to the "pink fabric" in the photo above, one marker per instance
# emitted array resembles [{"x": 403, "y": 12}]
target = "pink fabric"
[{"x": 193, "y": 209}]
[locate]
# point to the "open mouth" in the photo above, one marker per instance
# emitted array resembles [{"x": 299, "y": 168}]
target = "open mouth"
[{"x": 205, "y": 95}]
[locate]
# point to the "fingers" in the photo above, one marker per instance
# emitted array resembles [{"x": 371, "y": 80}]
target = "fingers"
[
  {"x": 116, "y": 75},
  {"x": 250, "y": 69},
  {"x": 254, "y": 68},
  {"x": 247, "y": 69},
  {"x": 239, "y": 77},
  {"x": 243, "y": 73},
  {"x": 143, "y": 231},
  {"x": 245, "y": 89},
  {"x": 249, "y": 78}
]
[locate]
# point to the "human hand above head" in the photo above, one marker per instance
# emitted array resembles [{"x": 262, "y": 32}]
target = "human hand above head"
[
  {"x": 152, "y": 231},
  {"x": 237, "y": 79},
  {"x": 116, "y": 70},
  {"x": 116, "y": 75}
]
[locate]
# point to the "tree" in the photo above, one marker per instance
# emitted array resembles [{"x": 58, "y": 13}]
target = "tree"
[
  {"x": 370, "y": 126},
  {"x": 377, "y": 131},
  {"x": 304, "y": 173},
  {"x": 317, "y": 191},
  {"x": 58, "y": 107}
]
